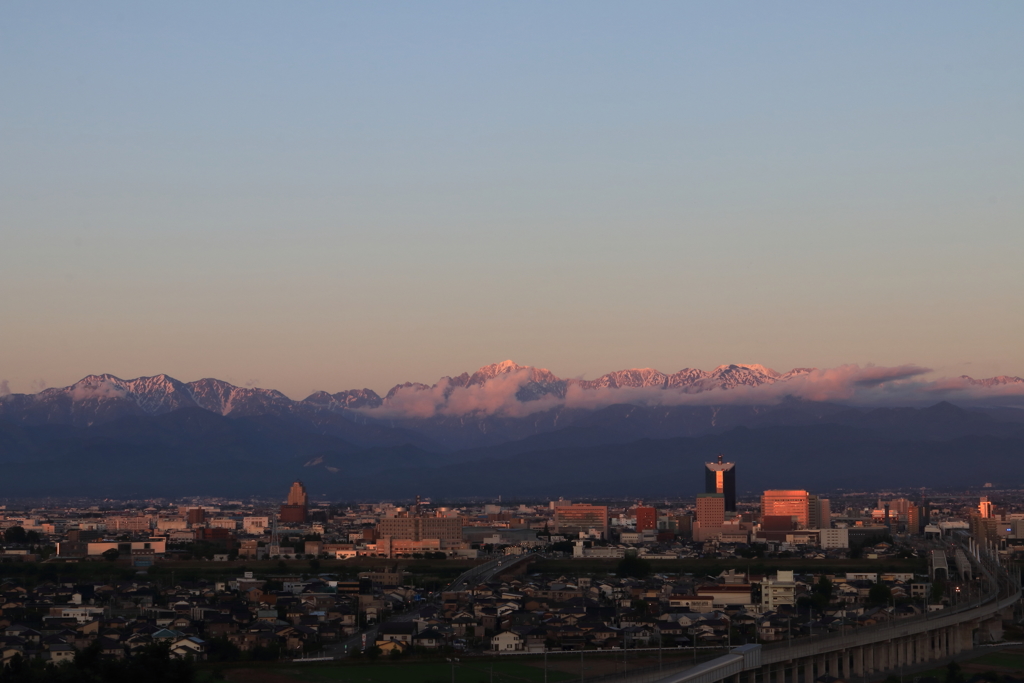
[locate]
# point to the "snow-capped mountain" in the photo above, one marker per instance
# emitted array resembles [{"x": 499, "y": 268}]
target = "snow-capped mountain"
[
  {"x": 353, "y": 398},
  {"x": 102, "y": 398},
  {"x": 470, "y": 432},
  {"x": 504, "y": 388}
]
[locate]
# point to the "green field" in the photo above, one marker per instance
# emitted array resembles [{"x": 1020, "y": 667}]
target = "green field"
[
  {"x": 1005, "y": 659},
  {"x": 470, "y": 669},
  {"x": 419, "y": 672},
  {"x": 1008, "y": 660},
  {"x": 428, "y": 573},
  {"x": 714, "y": 566},
  {"x": 504, "y": 672}
]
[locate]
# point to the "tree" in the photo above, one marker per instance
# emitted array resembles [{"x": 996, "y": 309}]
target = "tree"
[
  {"x": 111, "y": 554},
  {"x": 15, "y": 534},
  {"x": 879, "y": 595},
  {"x": 954, "y": 674},
  {"x": 822, "y": 593},
  {"x": 222, "y": 650},
  {"x": 151, "y": 663},
  {"x": 314, "y": 565},
  {"x": 937, "y": 591},
  {"x": 562, "y": 547},
  {"x": 631, "y": 565}
]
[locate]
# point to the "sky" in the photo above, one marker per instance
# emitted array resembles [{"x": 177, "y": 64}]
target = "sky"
[{"x": 308, "y": 196}]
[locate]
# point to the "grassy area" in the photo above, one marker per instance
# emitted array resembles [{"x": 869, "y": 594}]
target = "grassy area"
[
  {"x": 428, "y": 573},
  {"x": 425, "y": 572},
  {"x": 1012, "y": 660},
  {"x": 417, "y": 672},
  {"x": 1007, "y": 660},
  {"x": 470, "y": 669},
  {"x": 504, "y": 672},
  {"x": 714, "y": 566}
]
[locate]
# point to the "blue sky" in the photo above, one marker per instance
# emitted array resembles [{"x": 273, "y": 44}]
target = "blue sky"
[{"x": 332, "y": 195}]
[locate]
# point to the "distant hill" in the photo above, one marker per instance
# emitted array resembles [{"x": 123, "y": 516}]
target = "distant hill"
[{"x": 618, "y": 450}]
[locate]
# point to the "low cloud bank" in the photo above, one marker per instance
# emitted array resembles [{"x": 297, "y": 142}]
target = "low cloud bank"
[{"x": 515, "y": 394}]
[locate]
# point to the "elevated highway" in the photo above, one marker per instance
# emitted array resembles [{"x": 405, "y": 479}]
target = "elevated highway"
[
  {"x": 871, "y": 651},
  {"x": 483, "y": 573}
]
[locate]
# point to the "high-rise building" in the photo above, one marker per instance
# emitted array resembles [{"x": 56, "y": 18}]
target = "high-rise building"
[
  {"x": 810, "y": 511},
  {"x": 571, "y": 520},
  {"x": 819, "y": 513},
  {"x": 785, "y": 503},
  {"x": 710, "y": 516},
  {"x": 195, "y": 516},
  {"x": 720, "y": 477},
  {"x": 901, "y": 507},
  {"x": 297, "y": 494},
  {"x": 646, "y": 518},
  {"x": 913, "y": 519},
  {"x": 421, "y": 528},
  {"x": 296, "y": 510}
]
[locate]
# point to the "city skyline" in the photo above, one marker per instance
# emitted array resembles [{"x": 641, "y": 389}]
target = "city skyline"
[{"x": 673, "y": 342}]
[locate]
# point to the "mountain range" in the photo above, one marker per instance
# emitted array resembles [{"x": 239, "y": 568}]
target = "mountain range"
[
  {"x": 513, "y": 430},
  {"x": 100, "y": 398}
]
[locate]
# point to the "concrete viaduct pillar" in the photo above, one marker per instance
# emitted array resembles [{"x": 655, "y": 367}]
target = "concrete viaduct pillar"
[{"x": 808, "y": 663}]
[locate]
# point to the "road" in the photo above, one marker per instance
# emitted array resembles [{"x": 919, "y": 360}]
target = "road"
[{"x": 483, "y": 573}]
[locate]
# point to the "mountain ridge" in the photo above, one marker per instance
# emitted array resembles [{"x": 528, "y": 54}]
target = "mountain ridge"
[{"x": 504, "y": 388}]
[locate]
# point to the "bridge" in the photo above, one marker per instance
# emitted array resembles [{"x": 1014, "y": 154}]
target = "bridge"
[
  {"x": 937, "y": 563},
  {"x": 963, "y": 565},
  {"x": 874, "y": 650},
  {"x": 482, "y": 573}
]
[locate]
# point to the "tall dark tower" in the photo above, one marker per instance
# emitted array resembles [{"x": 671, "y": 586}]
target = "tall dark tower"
[{"x": 720, "y": 477}]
